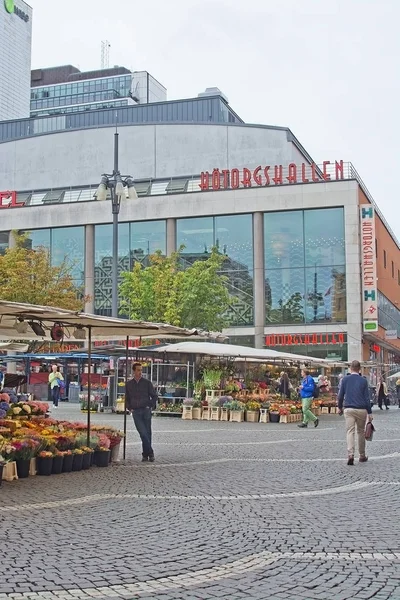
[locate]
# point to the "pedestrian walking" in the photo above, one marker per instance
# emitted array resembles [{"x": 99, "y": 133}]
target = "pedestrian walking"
[
  {"x": 141, "y": 398},
  {"x": 55, "y": 379},
  {"x": 307, "y": 390},
  {"x": 398, "y": 391},
  {"x": 382, "y": 394},
  {"x": 354, "y": 402}
]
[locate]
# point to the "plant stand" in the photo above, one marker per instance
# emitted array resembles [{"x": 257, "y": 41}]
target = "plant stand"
[
  {"x": 252, "y": 416},
  {"x": 324, "y": 410},
  {"x": 333, "y": 410},
  {"x": 236, "y": 416},
  {"x": 187, "y": 413},
  {"x": 196, "y": 413},
  {"x": 264, "y": 415},
  {"x": 212, "y": 395},
  {"x": 10, "y": 471},
  {"x": 224, "y": 414},
  {"x": 316, "y": 411},
  {"x": 206, "y": 416},
  {"x": 215, "y": 413},
  {"x": 284, "y": 419}
]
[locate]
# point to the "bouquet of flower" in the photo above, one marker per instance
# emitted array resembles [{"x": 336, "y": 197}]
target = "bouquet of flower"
[
  {"x": 19, "y": 409},
  {"x": 253, "y": 405},
  {"x": 4, "y": 407},
  {"x": 212, "y": 378},
  {"x": 24, "y": 449},
  {"x": 235, "y": 405},
  {"x": 45, "y": 454}
]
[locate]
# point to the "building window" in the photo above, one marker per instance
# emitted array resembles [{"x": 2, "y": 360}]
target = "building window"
[
  {"x": 384, "y": 259},
  {"x": 305, "y": 280},
  {"x": 376, "y": 248},
  {"x": 233, "y": 236},
  {"x": 136, "y": 241},
  {"x": 393, "y": 269}
]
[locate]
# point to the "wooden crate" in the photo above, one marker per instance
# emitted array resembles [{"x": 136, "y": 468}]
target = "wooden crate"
[
  {"x": 252, "y": 416},
  {"x": 284, "y": 419},
  {"x": 333, "y": 410},
  {"x": 324, "y": 410},
  {"x": 10, "y": 471},
  {"x": 212, "y": 395},
  {"x": 196, "y": 413},
  {"x": 187, "y": 412},
  {"x": 236, "y": 416}
]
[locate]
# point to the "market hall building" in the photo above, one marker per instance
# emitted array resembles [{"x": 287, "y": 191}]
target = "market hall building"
[{"x": 310, "y": 260}]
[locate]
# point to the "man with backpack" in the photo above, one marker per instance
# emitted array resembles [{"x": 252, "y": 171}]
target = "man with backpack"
[{"x": 308, "y": 391}]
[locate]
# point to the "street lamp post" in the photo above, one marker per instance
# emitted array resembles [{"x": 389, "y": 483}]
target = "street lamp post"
[{"x": 116, "y": 184}]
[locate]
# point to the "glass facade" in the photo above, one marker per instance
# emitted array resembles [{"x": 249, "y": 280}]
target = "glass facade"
[
  {"x": 64, "y": 243},
  {"x": 388, "y": 314},
  {"x": 80, "y": 107},
  {"x": 79, "y": 92},
  {"x": 196, "y": 110},
  {"x": 305, "y": 276},
  {"x": 3, "y": 241},
  {"x": 233, "y": 235},
  {"x": 136, "y": 241}
]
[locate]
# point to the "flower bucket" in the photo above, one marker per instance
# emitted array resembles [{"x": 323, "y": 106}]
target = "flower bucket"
[
  {"x": 1, "y": 472},
  {"x": 57, "y": 465},
  {"x": 102, "y": 458},
  {"x": 23, "y": 467},
  {"x": 87, "y": 461},
  {"x": 44, "y": 466},
  {"x": 274, "y": 417},
  {"x": 77, "y": 462},
  {"x": 32, "y": 467},
  {"x": 67, "y": 463},
  {"x": 115, "y": 452}
]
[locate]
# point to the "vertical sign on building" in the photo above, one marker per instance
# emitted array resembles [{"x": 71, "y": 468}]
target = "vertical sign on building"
[{"x": 368, "y": 269}]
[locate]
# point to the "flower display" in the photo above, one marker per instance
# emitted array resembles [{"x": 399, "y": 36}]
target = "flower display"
[
  {"x": 45, "y": 454},
  {"x": 253, "y": 405}
]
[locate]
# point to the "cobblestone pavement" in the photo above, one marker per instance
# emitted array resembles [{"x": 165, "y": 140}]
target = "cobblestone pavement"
[{"x": 229, "y": 510}]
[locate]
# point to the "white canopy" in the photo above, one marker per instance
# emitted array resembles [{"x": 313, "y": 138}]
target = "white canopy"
[
  {"x": 13, "y": 347},
  {"x": 104, "y": 328},
  {"x": 233, "y": 351}
]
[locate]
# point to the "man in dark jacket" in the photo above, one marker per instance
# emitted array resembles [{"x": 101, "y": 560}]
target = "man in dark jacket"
[
  {"x": 354, "y": 398},
  {"x": 141, "y": 398}
]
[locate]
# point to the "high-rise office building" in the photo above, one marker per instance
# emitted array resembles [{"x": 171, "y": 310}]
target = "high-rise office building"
[{"x": 15, "y": 59}]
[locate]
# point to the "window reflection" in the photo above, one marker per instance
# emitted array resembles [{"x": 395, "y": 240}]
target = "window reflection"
[
  {"x": 324, "y": 237},
  {"x": 3, "y": 241},
  {"x": 326, "y": 294},
  {"x": 38, "y": 238},
  {"x": 68, "y": 244},
  {"x": 233, "y": 236},
  {"x": 284, "y": 296},
  {"x": 284, "y": 245}
]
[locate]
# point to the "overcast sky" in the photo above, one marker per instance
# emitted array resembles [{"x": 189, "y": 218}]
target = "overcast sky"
[{"x": 329, "y": 70}]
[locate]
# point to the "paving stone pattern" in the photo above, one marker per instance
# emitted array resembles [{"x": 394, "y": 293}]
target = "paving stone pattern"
[{"x": 229, "y": 510}]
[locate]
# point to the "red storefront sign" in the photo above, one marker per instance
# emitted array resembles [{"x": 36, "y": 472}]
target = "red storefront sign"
[
  {"x": 306, "y": 339},
  {"x": 264, "y": 176},
  {"x": 9, "y": 200}
]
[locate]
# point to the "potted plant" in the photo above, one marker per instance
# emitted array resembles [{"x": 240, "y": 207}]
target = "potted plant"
[
  {"x": 284, "y": 413},
  {"x": 253, "y": 411},
  {"x": 22, "y": 452},
  {"x": 67, "y": 461},
  {"x": 187, "y": 412},
  {"x": 102, "y": 456},
  {"x": 77, "y": 459},
  {"x": 58, "y": 458},
  {"x": 87, "y": 457},
  {"x": 212, "y": 383},
  {"x": 236, "y": 408},
  {"x": 274, "y": 413},
  {"x": 44, "y": 462}
]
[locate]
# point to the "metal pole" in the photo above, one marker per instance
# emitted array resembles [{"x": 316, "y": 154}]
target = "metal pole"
[
  {"x": 89, "y": 382},
  {"x": 126, "y": 383},
  {"x": 115, "y": 211}
]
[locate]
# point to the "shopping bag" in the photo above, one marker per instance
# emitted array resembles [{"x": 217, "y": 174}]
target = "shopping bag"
[{"x": 369, "y": 431}]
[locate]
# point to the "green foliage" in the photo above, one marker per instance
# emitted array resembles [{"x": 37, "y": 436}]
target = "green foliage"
[
  {"x": 27, "y": 275},
  {"x": 164, "y": 292}
]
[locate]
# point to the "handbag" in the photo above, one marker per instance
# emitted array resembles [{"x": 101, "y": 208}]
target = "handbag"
[
  {"x": 60, "y": 383},
  {"x": 369, "y": 431}
]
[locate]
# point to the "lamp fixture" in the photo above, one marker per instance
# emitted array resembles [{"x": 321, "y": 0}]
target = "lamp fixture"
[
  {"x": 101, "y": 193},
  {"x": 21, "y": 326},
  {"x": 119, "y": 186},
  {"x": 79, "y": 333},
  {"x": 37, "y": 328},
  {"x": 132, "y": 194}
]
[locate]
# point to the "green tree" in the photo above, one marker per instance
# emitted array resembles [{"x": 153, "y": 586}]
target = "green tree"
[
  {"x": 165, "y": 292},
  {"x": 27, "y": 275}
]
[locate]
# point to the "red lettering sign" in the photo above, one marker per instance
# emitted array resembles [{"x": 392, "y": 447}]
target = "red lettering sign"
[
  {"x": 276, "y": 174},
  {"x": 9, "y": 200},
  {"x": 306, "y": 339}
]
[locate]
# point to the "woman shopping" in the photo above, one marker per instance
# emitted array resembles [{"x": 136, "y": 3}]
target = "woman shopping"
[{"x": 55, "y": 380}]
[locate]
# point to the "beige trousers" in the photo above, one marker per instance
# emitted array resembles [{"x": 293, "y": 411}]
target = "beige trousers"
[{"x": 355, "y": 417}]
